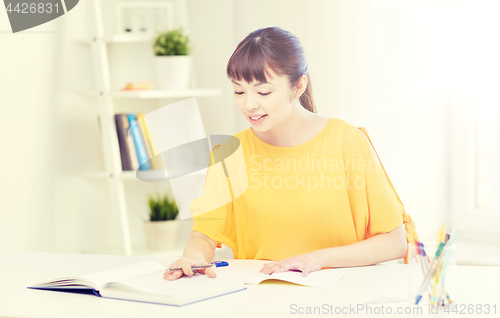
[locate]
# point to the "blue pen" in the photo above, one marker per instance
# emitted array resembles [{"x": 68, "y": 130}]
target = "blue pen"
[
  {"x": 220, "y": 263},
  {"x": 216, "y": 263}
]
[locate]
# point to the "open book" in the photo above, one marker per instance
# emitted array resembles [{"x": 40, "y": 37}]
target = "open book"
[{"x": 143, "y": 281}]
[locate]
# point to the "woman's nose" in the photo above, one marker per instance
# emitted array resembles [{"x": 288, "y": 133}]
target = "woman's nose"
[{"x": 251, "y": 104}]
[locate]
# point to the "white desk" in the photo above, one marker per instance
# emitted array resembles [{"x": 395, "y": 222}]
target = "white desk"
[{"x": 476, "y": 285}]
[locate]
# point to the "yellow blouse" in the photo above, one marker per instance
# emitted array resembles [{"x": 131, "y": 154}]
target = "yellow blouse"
[{"x": 284, "y": 201}]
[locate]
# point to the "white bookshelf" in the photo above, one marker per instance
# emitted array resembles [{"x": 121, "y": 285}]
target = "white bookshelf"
[
  {"x": 119, "y": 38},
  {"x": 167, "y": 93},
  {"x": 106, "y": 98},
  {"x": 146, "y": 175},
  {"x": 158, "y": 93}
]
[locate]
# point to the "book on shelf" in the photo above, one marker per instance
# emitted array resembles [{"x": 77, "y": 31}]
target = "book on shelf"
[
  {"x": 156, "y": 162},
  {"x": 127, "y": 149},
  {"x": 135, "y": 144},
  {"x": 139, "y": 144},
  {"x": 143, "y": 281}
]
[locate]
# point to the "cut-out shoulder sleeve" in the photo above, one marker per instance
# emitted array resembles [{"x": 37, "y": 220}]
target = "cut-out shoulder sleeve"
[
  {"x": 384, "y": 209},
  {"x": 384, "y": 206}
]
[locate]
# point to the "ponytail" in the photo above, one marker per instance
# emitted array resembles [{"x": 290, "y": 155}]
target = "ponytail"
[{"x": 306, "y": 99}]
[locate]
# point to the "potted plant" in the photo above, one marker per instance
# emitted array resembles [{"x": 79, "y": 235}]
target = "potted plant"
[
  {"x": 161, "y": 228},
  {"x": 172, "y": 60}
]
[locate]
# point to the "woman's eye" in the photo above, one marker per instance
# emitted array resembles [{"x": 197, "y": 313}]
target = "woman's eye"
[{"x": 241, "y": 93}]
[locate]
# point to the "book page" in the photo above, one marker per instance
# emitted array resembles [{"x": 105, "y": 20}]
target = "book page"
[
  {"x": 322, "y": 278},
  {"x": 113, "y": 274},
  {"x": 154, "y": 283},
  {"x": 243, "y": 274}
]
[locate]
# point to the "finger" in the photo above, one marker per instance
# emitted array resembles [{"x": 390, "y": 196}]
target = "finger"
[
  {"x": 266, "y": 268},
  {"x": 271, "y": 268},
  {"x": 279, "y": 269},
  {"x": 284, "y": 268},
  {"x": 173, "y": 265},
  {"x": 172, "y": 275},
  {"x": 270, "y": 263},
  {"x": 166, "y": 274},
  {"x": 201, "y": 271},
  {"x": 210, "y": 272},
  {"x": 186, "y": 268},
  {"x": 305, "y": 271}
]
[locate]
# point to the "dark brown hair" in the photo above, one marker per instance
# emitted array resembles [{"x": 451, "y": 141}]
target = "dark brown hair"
[{"x": 272, "y": 48}]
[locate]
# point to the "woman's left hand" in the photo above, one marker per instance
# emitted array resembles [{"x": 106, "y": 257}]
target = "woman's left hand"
[{"x": 308, "y": 262}]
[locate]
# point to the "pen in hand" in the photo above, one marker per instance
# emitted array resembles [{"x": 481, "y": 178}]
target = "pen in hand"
[
  {"x": 192, "y": 267},
  {"x": 217, "y": 264}
]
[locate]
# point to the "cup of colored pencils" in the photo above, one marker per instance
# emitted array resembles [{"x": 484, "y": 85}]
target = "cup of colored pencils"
[{"x": 432, "y": 271}]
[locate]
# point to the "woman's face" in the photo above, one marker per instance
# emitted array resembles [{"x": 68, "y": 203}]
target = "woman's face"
[{"x": 264, "y": 105}]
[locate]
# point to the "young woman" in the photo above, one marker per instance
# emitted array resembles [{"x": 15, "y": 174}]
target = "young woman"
[{"x": 317, "y": 195}]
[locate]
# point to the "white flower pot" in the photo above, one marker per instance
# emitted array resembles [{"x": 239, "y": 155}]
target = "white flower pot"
[
  {"x": 172, "y": 72},
  {"x": 161, "y": 235}
]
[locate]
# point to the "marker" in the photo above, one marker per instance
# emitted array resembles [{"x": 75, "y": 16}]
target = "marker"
[
  {"x": 424, "y": 254},
  {"x": 433, "y": 267},
  {"x": 421, "y": 257},
  {"x": 446, "y": 260},
  {"x": 441, "y": 239},
  {"x": 424, "y": 263}
]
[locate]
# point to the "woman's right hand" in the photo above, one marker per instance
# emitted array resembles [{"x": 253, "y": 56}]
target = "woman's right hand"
[{"x": 185, "y": 263}]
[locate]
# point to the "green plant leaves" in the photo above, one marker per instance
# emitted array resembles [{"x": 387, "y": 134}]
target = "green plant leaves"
[
  {"x": 162, "y": 208},
  {"x": 173, "y": 42}
]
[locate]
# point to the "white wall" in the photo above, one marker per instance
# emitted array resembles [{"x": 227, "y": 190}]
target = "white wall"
[
  {"x": 27, "y": 63},
  {"x": 212, "y": 28}
]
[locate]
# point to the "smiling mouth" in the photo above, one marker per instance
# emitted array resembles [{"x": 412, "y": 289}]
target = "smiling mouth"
[{"x": 257, "y": 117}]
